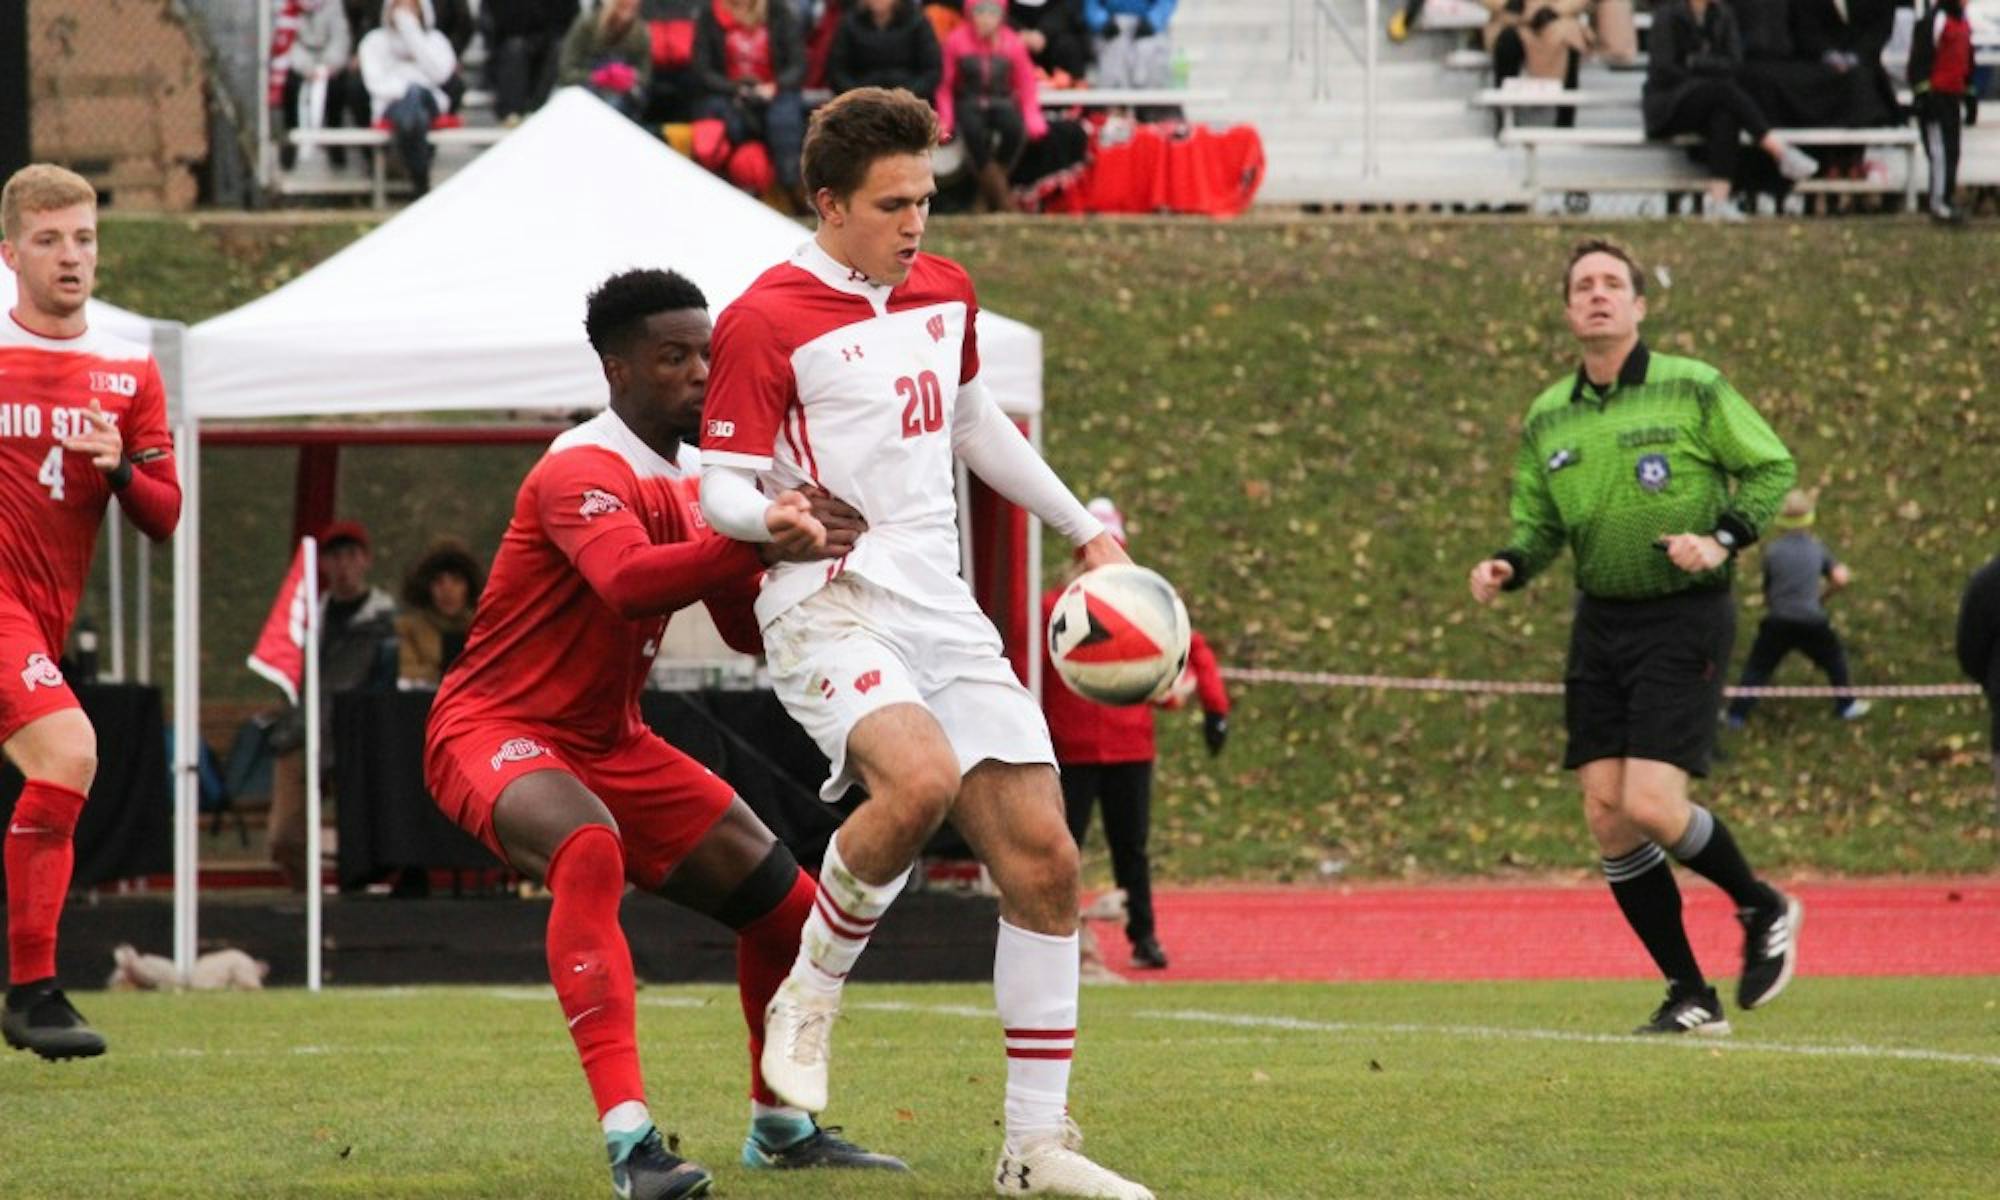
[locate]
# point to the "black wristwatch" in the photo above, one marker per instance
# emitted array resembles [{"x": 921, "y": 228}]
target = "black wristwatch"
[{"x": 1726, "y": 540}]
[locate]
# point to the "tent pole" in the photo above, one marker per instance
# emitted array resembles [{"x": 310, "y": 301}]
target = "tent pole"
[
  {"x": 142, "y": 608},
  {"x": 114, "y": 546},
  {"x": 1034, "y": 576},
  {"x": 314, "y": 898},
  {"x": 187, "y": 696}
]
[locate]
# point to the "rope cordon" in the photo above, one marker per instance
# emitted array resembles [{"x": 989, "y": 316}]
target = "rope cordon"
[{"x": 1504, "y": 687}]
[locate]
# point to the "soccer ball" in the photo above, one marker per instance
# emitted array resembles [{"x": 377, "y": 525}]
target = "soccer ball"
[{"x": 1119, "y": 635}]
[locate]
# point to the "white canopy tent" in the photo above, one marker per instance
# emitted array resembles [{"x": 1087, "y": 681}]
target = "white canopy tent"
[{"x": 472, "y": 299}]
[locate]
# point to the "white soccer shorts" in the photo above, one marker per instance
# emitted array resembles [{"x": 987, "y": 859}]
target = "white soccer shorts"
[{"x": 852, "y": 648}]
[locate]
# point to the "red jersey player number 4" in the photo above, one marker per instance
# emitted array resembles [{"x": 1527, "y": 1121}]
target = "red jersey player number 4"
[{"x": 82, "y": 419}]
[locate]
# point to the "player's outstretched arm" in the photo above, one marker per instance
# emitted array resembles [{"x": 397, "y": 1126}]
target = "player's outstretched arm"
[{"x": 990, "y": 445}]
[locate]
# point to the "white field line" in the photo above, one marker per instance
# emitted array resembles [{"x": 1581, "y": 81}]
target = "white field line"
[
  {"x": 1486, "y": 1033},
  {"x": 1198, "y": 1017}
]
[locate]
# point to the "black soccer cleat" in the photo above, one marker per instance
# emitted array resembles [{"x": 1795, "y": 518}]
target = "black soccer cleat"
[
  {"x": 1147, "y": 954},
  {"x": 1696, "y": 1012},
  {"x": 652, "y": 1172},
  {"x": 39, "y": 1017},
  {"x": 820, "y": 1148},
  {"x": 1770, "y": 950}
]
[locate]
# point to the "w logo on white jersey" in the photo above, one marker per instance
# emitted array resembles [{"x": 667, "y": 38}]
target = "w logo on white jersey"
[
  {"x": 41, "y": 672},
  {"x": 935, "y": 327}
]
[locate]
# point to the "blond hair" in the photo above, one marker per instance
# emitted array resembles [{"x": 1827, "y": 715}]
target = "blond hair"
[{"x": 41, "y": 187}]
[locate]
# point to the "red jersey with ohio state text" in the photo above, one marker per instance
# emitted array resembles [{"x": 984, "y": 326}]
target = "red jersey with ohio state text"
[
  {"x": 52, "y": 500},
  {"x": 544, "y": 644},
  {"x": 821, "y": 376}
]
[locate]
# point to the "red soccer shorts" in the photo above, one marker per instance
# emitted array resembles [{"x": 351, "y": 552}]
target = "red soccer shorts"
[
  {"x": 664, "y": 801},
  {"x": 31, "y": 685}
]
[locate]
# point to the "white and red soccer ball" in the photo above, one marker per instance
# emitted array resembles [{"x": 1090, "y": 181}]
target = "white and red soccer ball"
[{"x": 1119, "y": 635}]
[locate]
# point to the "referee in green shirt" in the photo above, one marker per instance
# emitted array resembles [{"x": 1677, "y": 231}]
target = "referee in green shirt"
[{"x": 1655, "y": 472}]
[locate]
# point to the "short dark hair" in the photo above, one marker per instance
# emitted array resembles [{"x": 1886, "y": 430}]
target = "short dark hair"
[
  {"x": 1604, "y": 246},
  {"x": 615, "y": 313},
  {"x": 855, "y": 128}
]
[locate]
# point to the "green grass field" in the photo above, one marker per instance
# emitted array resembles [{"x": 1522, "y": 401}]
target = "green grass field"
[{"x": 1863, "y": 1088}]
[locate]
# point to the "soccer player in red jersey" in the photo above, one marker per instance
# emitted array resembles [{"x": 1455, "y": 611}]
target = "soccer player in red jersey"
[
  {"x": 535, "y": 745},
  {"x": 855, "y": 366},
  {"x": 83, "y": 417}
]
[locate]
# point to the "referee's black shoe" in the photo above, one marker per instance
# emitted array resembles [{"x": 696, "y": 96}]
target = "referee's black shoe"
[
  {"x": 1688, "y": 1011},
  {"x": 1770, "y": 949},
  {"x": 39, "y": 1017}
]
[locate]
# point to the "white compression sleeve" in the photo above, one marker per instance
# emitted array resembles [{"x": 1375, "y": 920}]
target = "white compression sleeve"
[
  {"x": 994, "y": 449},
  {"x": 733, "y": 505}
]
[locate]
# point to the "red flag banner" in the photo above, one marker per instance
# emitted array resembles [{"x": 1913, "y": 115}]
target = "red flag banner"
[{"x": 280, "y": 655}]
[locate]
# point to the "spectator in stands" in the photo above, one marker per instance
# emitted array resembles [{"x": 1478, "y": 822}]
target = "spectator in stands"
[
  {"x": 750, "y": 59},
  {"x": 884, "y": 43},
  {"x": 1106, "y": 758},
  {"x": 610, "y": 53},
  {"x": 356, "y": 640},
  {"x": 1132, "y": 46},
  {"x": 1693, "y": 58},
  {"x": 1797, "y": 87},
  {"x": 1799, "y": 571},
  {"x": 1541, "y": 39},
  {"x": 318, "y": 84},
  {"x": 1057, "y": 38},
  {"x": 989, "y": 99},
  {"x": 439, "y": 595},
  {"x": 1941, "y": 72},
  {"x": 524, "y": 44},
  {"x": 1405, "y": 19},
  {"x": 406, "y": 63},
  {"x": 676, "y": 91},
  {"x": 1979, "y": 650}
]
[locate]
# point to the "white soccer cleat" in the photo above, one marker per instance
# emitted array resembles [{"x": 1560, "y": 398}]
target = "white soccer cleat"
[
  {"x": 1053, "y": 1165},
  {"x": 798, "y": 1036}
]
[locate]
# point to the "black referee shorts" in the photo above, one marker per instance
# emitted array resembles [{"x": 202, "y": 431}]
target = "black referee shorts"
[{"x": 1645, "y": 678}]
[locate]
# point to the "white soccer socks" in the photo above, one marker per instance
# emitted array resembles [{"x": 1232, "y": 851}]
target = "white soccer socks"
[
  {"x": 798, "y": 1023},
  {"x": 1034, "y": 989},
  {"x": 842, "y": 920}
]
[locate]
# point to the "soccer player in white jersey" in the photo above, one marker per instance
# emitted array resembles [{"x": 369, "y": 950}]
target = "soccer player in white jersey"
[
  {"x": 83, "y": 418},
  {"x": 854, "y": 367}
]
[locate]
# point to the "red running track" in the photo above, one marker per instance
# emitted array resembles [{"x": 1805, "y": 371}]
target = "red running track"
[{"x": 1466, "y": 932}]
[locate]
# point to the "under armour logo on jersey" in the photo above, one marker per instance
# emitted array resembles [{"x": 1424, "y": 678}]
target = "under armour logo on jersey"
[
  {"x": 867, "y": 680},
  {"x": 518, "y": 749},
  {"x": 856, "y": 275},
  {"x": 850, "y": 353},
  {"x": 41, "y": 672},
  {"x": 935, "y": 327},
  {"x": 596, "y": 503},
  {"x": 1013, "y": 1176}
]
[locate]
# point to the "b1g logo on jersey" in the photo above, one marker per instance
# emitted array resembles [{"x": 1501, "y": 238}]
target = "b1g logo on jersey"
[
  {"x": 867, "y": 680},
  {"x": 118, "y": 383},
  {"x": 518, "y": 749},
  {"x": 1653, "y": 473},
  {"x": 597, "y": 503},
  {"x": 721, "y": 429},
  {"x": 41, "y": 672}
]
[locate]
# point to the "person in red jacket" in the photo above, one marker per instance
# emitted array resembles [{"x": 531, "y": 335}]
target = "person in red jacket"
[{"x": 1106, "y": 757}]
